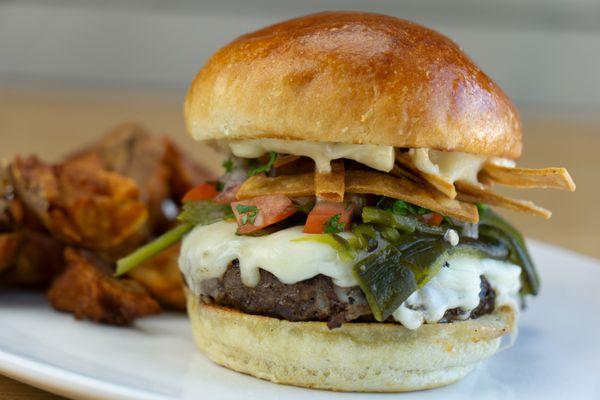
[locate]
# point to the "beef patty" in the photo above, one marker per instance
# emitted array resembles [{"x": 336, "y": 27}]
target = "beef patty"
[{"x": 315, "y": 299}]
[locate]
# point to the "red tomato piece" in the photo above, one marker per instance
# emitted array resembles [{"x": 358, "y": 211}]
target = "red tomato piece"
[
  {"x": 254, "y": 214},
  {"x": 434, "y": 219},
  {"x": 206, "y": 191},
  {"x": 329, "y": 217}
]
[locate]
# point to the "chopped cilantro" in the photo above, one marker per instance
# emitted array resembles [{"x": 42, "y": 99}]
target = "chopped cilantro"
[
  {"x": 333, "y": 224},
  {"x": 304, "y": 207},
  {"x": 482, "y": 207},
  {"x": 248, "y": 213},
  {"x": 403, "y": 208},
  {"x": 264, "y": 168},
  {"x": 416, "y": 210},
  {"x": 400, "y": 207},
  {"x": 228, "y": 165}
]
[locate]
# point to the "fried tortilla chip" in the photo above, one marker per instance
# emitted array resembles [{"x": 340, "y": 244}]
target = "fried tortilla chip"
[
  {"x": 551, "y": 178},
  {"x": 438, "y": 182},
  {"x": 479, "y": 194},
  {"x": 363, "y": 182},
  {"x": 282, "y": 160},
  {"x": 292, "y": 165},
  {"x": 401, "y": 171},
  {"x": 289, "y": 185},
  {"x": 161, "y": 277},
  {"x": 330, "y": 186},
  {"x": 368, "y": 182},
  {"x": 87, "y": 289}
]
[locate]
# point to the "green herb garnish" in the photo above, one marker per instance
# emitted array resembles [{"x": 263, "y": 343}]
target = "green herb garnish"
[
  {"x": 482, "y": 207},
  {"x": 228, "y": 165},
  {"x": 403, "y": 208},
  {"x": 264, "y": 168},
  {"x": 194, "y": 213},
  {"x": 333, "y": 224},
  {"x": 304, "y": 207},
  {"x": 248, "y": 213},
  {"x": 153, "y": 248}
]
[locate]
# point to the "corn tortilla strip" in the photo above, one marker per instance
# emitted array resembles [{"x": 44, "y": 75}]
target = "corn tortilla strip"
[
  {"x": 330, "y": 186},
  {"x": 280, "y": 161},
  {"x": 553, "y": 178},
  {"x": 368, "y": 182},
  {"x": 289, "y": 185},
  {"x": 479, "y": 194},
  {"x": 400, "y": 171},
  {"x": 484, "y": 178},
  {"x": 438, "y": 182},
  {"x": 363, "y": 182}
]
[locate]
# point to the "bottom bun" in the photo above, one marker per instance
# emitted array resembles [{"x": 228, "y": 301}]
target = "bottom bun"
[{"x": 363, "y": 357}]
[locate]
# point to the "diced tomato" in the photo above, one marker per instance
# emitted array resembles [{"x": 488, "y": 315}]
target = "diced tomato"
[
  {"x": 434, "y": 219},
  {"x": 325, "y": 215},
  {"x": 254, "y": 214},
  {"x": 206, "y": 191}
]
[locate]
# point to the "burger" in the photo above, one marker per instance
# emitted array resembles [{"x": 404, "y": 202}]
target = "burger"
[{"x": 351, "y": 244}]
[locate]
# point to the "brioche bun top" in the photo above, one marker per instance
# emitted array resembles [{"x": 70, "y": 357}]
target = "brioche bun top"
[{"x": 352, "y": 77}]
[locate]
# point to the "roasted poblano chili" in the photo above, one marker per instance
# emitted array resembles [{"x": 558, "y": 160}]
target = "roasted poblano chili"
[
  {"x": 389, "y": 276},
  {"x": 403, "y": 223},
  {"x": 491, "y": 225}
]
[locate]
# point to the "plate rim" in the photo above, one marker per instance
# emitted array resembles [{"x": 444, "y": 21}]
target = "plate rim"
[{"x": 66, "y": 383}]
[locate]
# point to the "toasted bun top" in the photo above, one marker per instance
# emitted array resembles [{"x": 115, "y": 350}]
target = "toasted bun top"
[{"x": 354, "y": 78}]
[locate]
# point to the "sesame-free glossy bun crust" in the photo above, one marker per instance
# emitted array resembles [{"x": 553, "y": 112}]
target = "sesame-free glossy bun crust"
[{"x": 354, "y": 78}]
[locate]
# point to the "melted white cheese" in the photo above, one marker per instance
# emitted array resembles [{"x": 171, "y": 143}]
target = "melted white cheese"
[
  {"x": 207, "y": 251},
  {"x": 374, "y": 156},
  {"x": 503, "y": 162},
  {"x": 450, "y": 165},
  {"x": 458, "y": 286}
]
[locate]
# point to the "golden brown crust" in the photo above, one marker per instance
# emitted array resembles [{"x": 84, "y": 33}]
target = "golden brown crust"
[
  {"x": 355, "y": 78},
  {"x": 374, "y": 357}
]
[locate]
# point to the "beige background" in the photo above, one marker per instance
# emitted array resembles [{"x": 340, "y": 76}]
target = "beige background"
[{"x": 105, "y": 57}]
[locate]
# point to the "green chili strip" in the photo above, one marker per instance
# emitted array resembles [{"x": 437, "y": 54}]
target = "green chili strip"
[{"x": 151, "y": 249}]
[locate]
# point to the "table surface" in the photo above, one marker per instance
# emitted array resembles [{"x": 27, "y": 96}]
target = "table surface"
[{"x": 50, "y": 120}]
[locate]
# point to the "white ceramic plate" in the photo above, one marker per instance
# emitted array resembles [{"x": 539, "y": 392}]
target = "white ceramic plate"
[{"x": 556, "y": 356}]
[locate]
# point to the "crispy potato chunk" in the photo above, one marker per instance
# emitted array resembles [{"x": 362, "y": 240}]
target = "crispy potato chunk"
[
  {"x": 9, "y": 248},
  {"x": 34, "y": 261},
  {"x": 161, "y": 277},
  {"x": 161, "y": 170},
  {"x": 87, "y": 289},
  {"x": 82, "y": 206}
]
